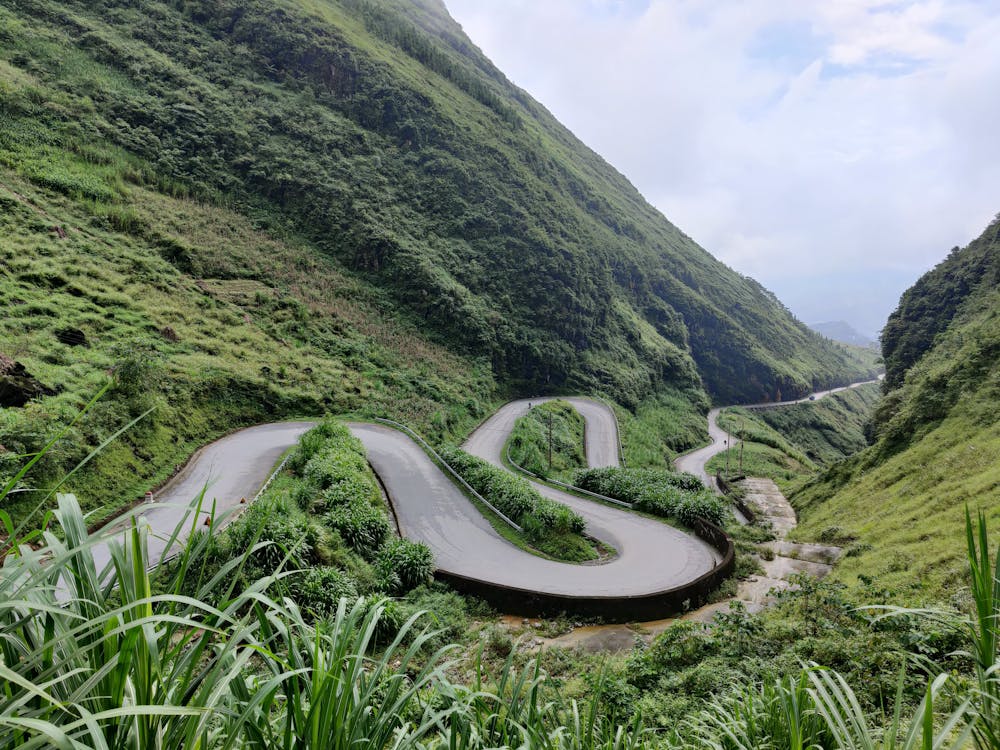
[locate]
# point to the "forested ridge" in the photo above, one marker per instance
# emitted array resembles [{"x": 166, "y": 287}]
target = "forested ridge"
[
  {"x": 935, "y": 432},
  {"x": 377, "y": 132}
]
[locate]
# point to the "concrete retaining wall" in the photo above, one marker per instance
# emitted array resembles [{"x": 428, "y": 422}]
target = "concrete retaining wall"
[{"x": 612, "y": 608}]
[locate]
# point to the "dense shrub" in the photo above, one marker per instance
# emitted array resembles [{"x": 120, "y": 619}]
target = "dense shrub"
[
  {"x": 405, "y": 565},
  {"x": 662, "y": 493},
  {"x": 321, "y": 589},
  {"x": 270, "y": 520},
  {"x": 514, "y": 497},
  {"x": 363, "y": 526}
]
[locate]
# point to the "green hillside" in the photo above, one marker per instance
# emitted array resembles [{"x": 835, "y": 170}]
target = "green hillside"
[
  {"x": 899, "y": 505},
  {"x": 376, "y": 132}
]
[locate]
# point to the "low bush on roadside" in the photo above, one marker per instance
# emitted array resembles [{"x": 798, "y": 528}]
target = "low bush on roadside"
[
  {"x": 404, "y": 565},
  {"x": 669, "y": 494},
  {"x": 514, "y": 496},
  {"x": 320, "y": 590}
]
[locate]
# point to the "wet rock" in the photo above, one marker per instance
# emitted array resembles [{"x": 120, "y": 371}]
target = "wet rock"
[{"x": 17, "y": 385}]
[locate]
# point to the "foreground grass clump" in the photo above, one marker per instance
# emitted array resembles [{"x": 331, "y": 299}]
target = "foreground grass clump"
[
  {"x": 95, "y": 658},
  {"x": 663, "y": 493},
  {"x": 550, "y": 527},
  {"x": 529, "y": 441}
]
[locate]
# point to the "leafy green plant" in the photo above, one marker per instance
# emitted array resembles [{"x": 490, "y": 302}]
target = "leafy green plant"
[
  {"x": 663, "y": 493},
  {"x": 404, "y": 564}
]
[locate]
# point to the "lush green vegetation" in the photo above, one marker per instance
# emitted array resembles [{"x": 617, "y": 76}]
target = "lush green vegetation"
[
  {"x": 274, "y": 330},
  {"x": 379, "y": 135},
  {"x": 936, "y": 431},
  {"x": 663, "y": 493},
  {"x": 235, "y": 666},
  {"x": 827, "y": 430},
  {"x": 551, "y": 428},
  {"x": 791, "y": 443},
  {"x": 661, "y": 426},
  {"x": 552, "y": 528},
  {"x": 930, "y": 306}
]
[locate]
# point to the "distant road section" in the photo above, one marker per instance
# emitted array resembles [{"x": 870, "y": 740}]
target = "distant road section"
[{"x": 695, "y": 461}]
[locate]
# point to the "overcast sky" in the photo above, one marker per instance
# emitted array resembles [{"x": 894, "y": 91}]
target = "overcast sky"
[{"x": 832, "y": 149}]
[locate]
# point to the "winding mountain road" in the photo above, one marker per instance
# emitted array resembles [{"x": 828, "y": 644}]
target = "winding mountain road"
[
  {"x": 695, "y": 461},
  {"x": 654, "y": 564},
  {"x": 653, "y": 557}
]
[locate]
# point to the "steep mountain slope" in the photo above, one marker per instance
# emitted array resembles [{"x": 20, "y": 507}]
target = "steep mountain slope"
[
  {"x": 268, "y": 329},
  {"x": 377, "y": 132},
  {"x": 937, "y": 430}
]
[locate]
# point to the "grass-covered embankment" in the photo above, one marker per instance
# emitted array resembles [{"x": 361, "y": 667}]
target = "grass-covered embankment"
[
  {"x": 661, "y": 426},
  {"x": 549, "y": 527},
  {"x": 252, "y": 327},
  {"x": 898, "y": 505},
  {"x": 677, "y": 496},
  {"x": 829, "y": 429},
  {"x": 551, "y": 428}
]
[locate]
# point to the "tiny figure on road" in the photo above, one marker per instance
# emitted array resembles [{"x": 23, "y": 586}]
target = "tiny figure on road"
[{"x": 149, "y": 497}]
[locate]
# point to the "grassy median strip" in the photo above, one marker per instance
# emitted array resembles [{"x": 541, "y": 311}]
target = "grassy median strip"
[
  {"x": 669, "y": 494},
  {"x": 548, "y": 441},
  {"x": 549, "y": 527},
  {"x": 322, "y": 516}
]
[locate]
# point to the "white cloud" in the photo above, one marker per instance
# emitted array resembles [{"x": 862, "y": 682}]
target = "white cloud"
[{"x": 794, "y": 139}]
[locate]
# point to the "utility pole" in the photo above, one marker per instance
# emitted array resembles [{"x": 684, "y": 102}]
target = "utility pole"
[
  {"x": 728, "y": 439},
  {"x": 742, "y": 433},
  {"x": 550, "y": 440}
]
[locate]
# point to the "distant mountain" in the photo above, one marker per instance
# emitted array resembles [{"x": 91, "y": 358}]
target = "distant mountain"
[{"x": 844, "y": 332}]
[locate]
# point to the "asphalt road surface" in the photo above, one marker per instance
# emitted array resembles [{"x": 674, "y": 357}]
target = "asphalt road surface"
[
  {"x": 229, "y": 469},
  {"x": 431, "y": 509}
]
